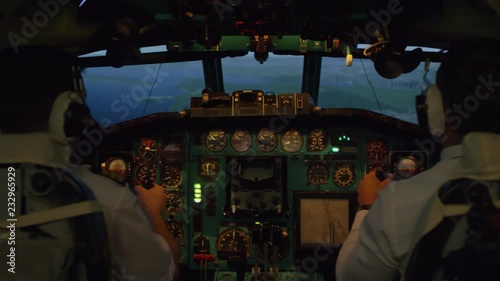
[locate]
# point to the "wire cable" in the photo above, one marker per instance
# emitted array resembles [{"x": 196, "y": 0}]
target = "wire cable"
[
  {"x": 151, "y": 90},
  {"x": 373, "y": 89}
]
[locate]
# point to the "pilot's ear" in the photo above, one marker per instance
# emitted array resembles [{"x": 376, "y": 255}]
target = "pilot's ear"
[{"x": 430, "y": 111}]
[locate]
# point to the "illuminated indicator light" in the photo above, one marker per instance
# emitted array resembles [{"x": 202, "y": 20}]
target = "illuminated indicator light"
[
  {"x": 197, "y": 191},
  {"x": 340, "y": 138},
  {"x": 197, "y": 185},
  {"x": 197, "y": 195},
  {"x": 335, "y": 149},
  {"x": 257, "y": 222},
  {"x": 197, "y": 200},
  {"x": 348, "y": 138}
]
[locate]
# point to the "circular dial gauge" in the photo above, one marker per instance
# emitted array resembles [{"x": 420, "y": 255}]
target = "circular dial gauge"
[
  {"x": 344, "y": 175},
  {"x": 176, "y": 229},
  {"x": 266, "y": 140},
  {"x": 201, "y": 245},
  {"x": 292, "y": 141},
  {"x": 316, "y": 141},
  {"x": 173, "y": 203},
  {"x": 172, "y": 176},
  {"x": 208, "y": 169},
  {"x": 115, "y": 168},
  {"x": 146, "y": 175},
  {"x": 241, "y": 140},
  {"x": 233, "y": 240},
  {"x": 283, "y": 244},
  {"x": 376, "y": 151},
  {"x": 317, "y": 174},
  {"x": 172, "y": 150},
  {"x": 216, "y": 140},
  {"x": 406, "y": 167},
  {"x": 147, "y": 149}
]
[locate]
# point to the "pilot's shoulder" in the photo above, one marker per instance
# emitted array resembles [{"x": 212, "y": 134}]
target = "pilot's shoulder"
[
  {"x": 104, "y": 188},
  {"x": 419, "y": 187},
  {"x": 85, "y": 173}
]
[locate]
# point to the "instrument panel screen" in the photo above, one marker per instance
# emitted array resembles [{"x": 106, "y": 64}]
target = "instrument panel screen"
[{"x": 325, "y": 220}]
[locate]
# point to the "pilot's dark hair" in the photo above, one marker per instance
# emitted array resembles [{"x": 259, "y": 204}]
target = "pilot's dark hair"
[
  {"x": 469, "y": 78},
  {"x": 32, "y": 77}
]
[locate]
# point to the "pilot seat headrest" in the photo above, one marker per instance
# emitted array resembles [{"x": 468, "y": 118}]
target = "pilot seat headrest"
[{"x": 481, "y": 157}]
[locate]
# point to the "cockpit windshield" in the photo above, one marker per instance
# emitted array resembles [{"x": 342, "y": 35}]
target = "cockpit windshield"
[
  {"x": 121, "y": 94},
  {"x": 360, "y": 86}
]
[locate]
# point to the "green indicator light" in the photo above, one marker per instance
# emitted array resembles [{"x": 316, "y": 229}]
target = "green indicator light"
[
  {"x": 197, "y": 195},
  {"x": 197, "y": 185},
  {"x": 197, "y": 191},
  {"x": 348, "y": 138},
  {"x": 340, "y": 138},
  {"x": 197, "y": 200},
  {"x": 335, "y": 149}
]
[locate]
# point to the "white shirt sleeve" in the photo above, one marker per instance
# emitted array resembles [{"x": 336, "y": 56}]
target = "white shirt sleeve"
[
  {"x": 138, "y": 253},
  {"x": 144, "y": 254},
  {"x": 366, "y": 253},
  {"x": 381, "y": 240},
  {"x": 166, "y": 248}
]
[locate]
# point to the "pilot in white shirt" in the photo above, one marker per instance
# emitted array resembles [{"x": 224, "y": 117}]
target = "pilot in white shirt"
[
  {"x": 382, "y": 238},
  {"x": 142, "y": 247},
  {"x": 137, "y": 251}
]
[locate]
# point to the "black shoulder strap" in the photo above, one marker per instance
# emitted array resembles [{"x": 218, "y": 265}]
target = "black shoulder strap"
[{"x": 479, "y": 257}]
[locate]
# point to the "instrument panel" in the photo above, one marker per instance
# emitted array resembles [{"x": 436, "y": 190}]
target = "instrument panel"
[{"x": 234, "y": 190}]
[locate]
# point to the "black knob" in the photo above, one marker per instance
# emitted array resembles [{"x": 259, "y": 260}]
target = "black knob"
[{"x": 380, "y": 174}]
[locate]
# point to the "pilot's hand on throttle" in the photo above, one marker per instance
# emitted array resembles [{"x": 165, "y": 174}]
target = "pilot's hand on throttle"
[
  {"x": 369, "y": 187},
  {"x": 152, "y": 200}
]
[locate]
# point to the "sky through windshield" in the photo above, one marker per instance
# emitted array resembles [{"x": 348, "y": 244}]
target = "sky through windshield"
[{"x": 120, "y": 94}]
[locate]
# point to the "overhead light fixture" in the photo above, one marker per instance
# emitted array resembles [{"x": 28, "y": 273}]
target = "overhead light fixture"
[
  {"x": 122, "y": 44},
  {"x": 261, "y": 45}
]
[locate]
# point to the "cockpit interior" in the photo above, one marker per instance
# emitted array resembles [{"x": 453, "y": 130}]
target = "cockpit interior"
[{"x": 259, "y": 118}]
